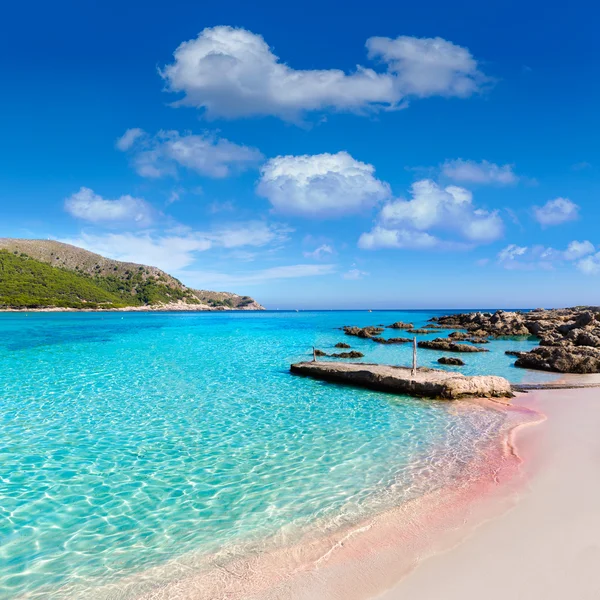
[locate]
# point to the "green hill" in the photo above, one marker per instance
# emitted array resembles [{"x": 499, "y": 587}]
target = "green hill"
[{"x": 45, "y": 273}]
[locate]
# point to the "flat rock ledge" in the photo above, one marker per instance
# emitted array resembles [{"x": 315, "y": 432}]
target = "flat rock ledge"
[{"x": 427, "y": 383}]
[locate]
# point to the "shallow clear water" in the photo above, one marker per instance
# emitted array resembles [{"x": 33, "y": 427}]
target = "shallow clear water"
[{"x": 131, "y": 439}]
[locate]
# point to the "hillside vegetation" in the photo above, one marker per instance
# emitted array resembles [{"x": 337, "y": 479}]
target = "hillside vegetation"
[{"x": 45, "y": 273}]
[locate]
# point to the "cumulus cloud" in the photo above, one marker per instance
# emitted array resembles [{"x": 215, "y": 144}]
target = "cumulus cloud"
[
  {"x": 555, "y": 212},
  {"x": 162, "y": 154},
  {"x": 484, "y": 172},
  {"x": 322, "y": 185},
  {"x": 321, "y": 252},
  {"x": 543, "y": 257},
  {"x": 232, "y": 72},
  {"x": 405, "y": 223},
  {"x": 577, "y": 249},
  {"x": 176, "y": 250},
  {"x": 89, "y": 206}
]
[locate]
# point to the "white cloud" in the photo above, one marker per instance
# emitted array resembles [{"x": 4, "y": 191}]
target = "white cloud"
[
  {"x": 232, "y": 72},
  {"x": 89, "y": 206},
  {"x": 322, "y": 185},
  {"x": 320, "y": 252},
  {"x": 483, "y": 172},
  {"x": 176, "y": 250},
  {"x": 542, "y": 257},
  {"x": 425, "y": 67},
  {"x": 355, "y": 274},
  {"x": 403, "y": 223},
  {"x": 129, "y": 138},
  {"x": 555, "y": 212},
  {"x": 380, "y": 237},
  {"x": 206, "y": 154},
  {"x": 207, "y": 279},
  {"x": 511, "y": 252},
  {"x": 577, "y": 249},
  {"x": 590, "y": 265}
]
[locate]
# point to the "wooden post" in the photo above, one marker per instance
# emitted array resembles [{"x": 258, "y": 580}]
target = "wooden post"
[
  {"x": 314, "y": 355},
  {"x": 414, "y": 364}
]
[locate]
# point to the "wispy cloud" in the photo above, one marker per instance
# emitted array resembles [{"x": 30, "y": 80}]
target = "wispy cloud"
[
  {"x": 484, "y": 172},
  {"x": 164, "y": 153}
]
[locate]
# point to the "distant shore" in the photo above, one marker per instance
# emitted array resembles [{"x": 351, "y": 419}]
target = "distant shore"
[{"x": 174, "y": 307}]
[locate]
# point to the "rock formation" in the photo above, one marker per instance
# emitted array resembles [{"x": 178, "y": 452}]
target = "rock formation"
[
  {"x": 446, "y": 345},
  {"x": 569, "y": 338},
  {"x": 450, "y": 360}
]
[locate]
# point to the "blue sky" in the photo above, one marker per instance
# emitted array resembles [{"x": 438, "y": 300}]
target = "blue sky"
[{"x": 323, "y": 155}]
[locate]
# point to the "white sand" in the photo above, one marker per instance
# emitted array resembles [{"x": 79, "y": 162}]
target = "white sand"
[{"x": 548, "y": 546}]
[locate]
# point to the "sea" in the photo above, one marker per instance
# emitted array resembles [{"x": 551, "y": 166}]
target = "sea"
[{"x": 132, "y": 440}]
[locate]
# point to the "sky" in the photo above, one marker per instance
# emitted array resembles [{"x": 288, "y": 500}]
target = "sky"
[{"x": 316, "y": 155}]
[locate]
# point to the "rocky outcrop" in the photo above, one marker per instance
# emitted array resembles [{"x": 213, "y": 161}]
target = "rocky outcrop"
[
  {"x": 362, "y": 332},
  {"x": 450, "y": 360},
  {"x": 427, "y": 383},
  {"x": 562, "y": 359},
  {"x": 318, "y": 352},
  {"x": 417, "y": 331},
  {"x": 569, "y": 338},
  {"x": 396, "y": 340},
  {"x": 446, "y": 345},
  {"x": 351, "y": 354},
  {"x": 342, "y": 345},
  {"x": 400, "y": 325}
]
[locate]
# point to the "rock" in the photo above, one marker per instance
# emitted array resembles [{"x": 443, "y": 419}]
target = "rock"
[
  {"x": 450, "y": 360},
  {"x": 514, "y": 353},
  {"x": 320, "y": 352},
  {"x": 351, "y": 354},
  {"x": 363, "y": 332},
  {"x": 400, "y": 325},
  {"x": 427, "y": 383},
  {"x": 396, "y": 340},
  {"x": 423, "y": 330},
  {"x": 446, "y": 345},
  {"x": 342, "y": 345},
  {"x": 562, "y": 359}
]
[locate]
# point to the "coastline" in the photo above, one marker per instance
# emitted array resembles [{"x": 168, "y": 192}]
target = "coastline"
[
  {"x": 174, "y": 307},
  {"x": 548, "y": 545},
  {"x": 357, "y": 561}
]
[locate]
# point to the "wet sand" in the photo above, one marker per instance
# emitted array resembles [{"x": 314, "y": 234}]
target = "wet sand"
[{"x": 546, "y": 547}]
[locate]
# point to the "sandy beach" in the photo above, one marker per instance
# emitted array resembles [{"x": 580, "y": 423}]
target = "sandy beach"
[{"x": 548, "y": 545}]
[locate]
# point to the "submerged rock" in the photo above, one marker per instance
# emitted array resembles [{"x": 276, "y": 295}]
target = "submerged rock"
[
  {"x": 446, "y": 345},
  {"x": 423, "y": 330},
  {"x": 351, "y": 354},
  {"x": 396, "y": 340},
  {"x": 450, "y": 360}
]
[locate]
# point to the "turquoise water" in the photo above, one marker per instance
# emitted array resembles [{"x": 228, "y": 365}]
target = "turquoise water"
[{"x": 129, "y": 439}]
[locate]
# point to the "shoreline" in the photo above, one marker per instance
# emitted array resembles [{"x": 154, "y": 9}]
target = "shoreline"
[
  {"x": 157, "y": 308},
  {"x": 548, "y": 545},
  {"x": 355, "y": 561}
]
